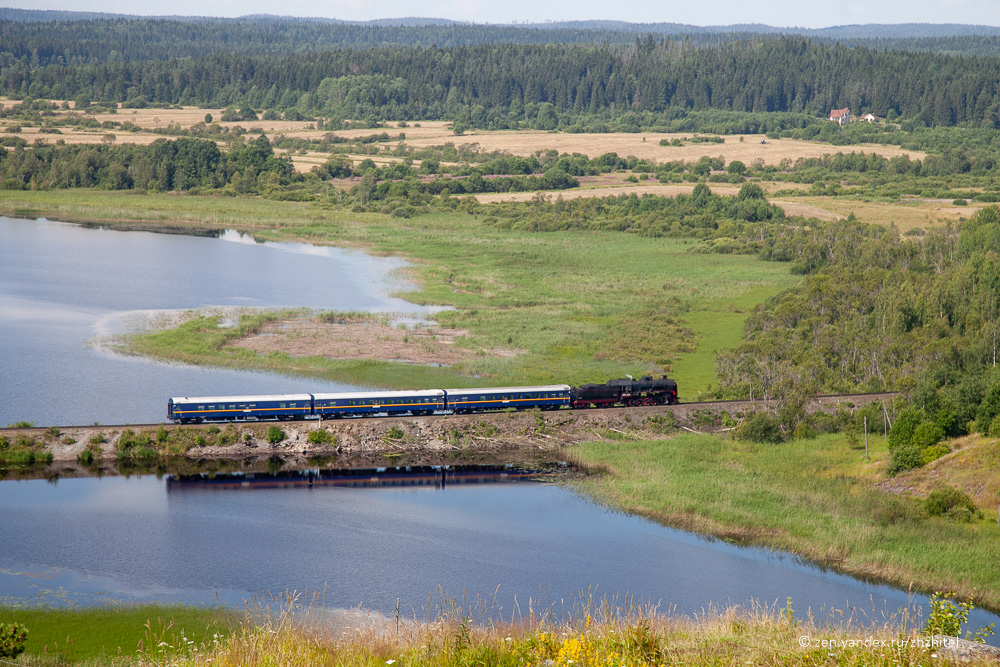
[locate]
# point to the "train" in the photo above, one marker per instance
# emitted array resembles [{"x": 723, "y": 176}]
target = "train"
[{"x": 285, "y": 407}]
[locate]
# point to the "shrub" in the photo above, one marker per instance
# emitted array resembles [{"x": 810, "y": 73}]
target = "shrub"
[
  {"x": 12, "y": 639},
  {"x": 129, "y": 441},
  {"x": 901, "y": 432},
  {"x": 935, "y": 452},
  {"x": 903, "y": 458},
  {"x": 321, "y": 437},
  {"x": 927, "y": 434},
  {"x": 952, "y": 503},
  {"x": 994, "y": 430},
  {"x": 86, "y": 457},
  {"x": 275, "y": 435},
  {"x": 760, "y": 427},
  {"x": 98, "y": 439},
  {"x": 394, "y": 433}
]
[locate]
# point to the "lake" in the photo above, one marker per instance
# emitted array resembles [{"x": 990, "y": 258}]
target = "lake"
[
  {"x": 63, "y": 285},
  {"x": 515, "y": 546}
]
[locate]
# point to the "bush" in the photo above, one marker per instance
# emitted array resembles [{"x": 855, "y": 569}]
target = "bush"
[
  {"x": 903, "y": 458},
  {"x": 275, "y": 435},
  {"x": 935, "y": 452},
  {"x": 994, "y": 430},
  {"x": 760, "y": 427},
  {"x": 952, "y": 503},
  {"x": 926, "y": 435},
  {"x": 12, "y": 639},
  {"x": 321, "y": 437},
  {"x": 394, "y": 433}
]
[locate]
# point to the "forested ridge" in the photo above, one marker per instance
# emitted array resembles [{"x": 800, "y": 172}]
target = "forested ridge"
[{"x": 498, "y": 85}]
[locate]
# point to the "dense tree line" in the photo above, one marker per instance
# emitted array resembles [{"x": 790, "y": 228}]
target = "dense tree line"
[
  {"x": 548, "y": 86},
  {"x": 181, "y": 164},
  {"x": 878, "y": 311}
]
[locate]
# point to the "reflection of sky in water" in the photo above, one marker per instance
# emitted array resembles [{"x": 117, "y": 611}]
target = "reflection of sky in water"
[
  {"x": 61, "y": 285},
  {"x": 132, "y": 538}
]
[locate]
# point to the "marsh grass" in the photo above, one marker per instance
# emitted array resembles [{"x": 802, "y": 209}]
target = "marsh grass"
[{"x": 814, "y": 497}]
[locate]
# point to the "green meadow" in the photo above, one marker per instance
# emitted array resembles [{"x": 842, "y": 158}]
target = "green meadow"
[{"x": 99, "y": 635}]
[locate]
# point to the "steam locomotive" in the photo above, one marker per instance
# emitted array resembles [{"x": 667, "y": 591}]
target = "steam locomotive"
[{"x": 626, "y": 391}]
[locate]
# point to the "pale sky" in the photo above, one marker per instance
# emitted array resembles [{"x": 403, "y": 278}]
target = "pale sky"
[{"x": 801, "y": 13}]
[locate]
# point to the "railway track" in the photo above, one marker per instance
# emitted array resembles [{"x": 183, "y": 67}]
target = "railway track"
[{"x": 820, "y": 400}]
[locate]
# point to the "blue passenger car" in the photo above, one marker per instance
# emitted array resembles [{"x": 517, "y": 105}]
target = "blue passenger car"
[
  {"x": 349, "y": 404},
  {"x": 549, "y": 397},
  {"x": 185, "y": 409}
]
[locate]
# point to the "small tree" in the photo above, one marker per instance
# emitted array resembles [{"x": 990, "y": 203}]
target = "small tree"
[
  {"x": 208, "y": 118},
  {"x": 275, "y": 435}
]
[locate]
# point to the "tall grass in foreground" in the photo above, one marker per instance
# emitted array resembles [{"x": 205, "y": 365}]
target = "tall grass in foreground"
[{"x": 597, "y": 635}]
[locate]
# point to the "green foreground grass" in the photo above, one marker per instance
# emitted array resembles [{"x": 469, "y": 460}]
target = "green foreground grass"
[
  {"x": 98, "y": 635},
  {"x": 814, "y": 497},
  {"x": 575, "y": 306}
]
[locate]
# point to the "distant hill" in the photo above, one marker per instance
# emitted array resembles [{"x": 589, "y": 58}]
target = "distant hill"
[{"x": 878, "y": 31}]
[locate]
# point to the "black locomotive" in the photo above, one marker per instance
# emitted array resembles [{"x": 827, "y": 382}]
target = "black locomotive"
[{"x": 626, "y": 391}]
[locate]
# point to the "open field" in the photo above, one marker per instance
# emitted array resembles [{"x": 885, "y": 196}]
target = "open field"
[
  {"x": 646, "y": 146},
  {"x": 815, "y": 497},
  {"x": 905, "y": 214}
]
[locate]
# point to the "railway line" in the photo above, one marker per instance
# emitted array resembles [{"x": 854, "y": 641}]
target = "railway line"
[{"x": 823, "y": 400}]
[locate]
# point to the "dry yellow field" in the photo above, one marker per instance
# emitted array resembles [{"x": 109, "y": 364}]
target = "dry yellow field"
[
  {"x": 646, "y": 146},
  {"x": 906, "y": 215}
]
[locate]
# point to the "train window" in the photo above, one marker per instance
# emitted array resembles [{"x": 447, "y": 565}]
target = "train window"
[{"x": 284, "y": 405}]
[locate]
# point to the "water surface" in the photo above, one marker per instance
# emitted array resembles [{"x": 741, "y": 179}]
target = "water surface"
[
  {"x": 511, "y": 545},
  {"x": 62, "y": 285}
]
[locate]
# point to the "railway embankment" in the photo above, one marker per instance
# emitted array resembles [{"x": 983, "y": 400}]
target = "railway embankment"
[{"x": 531, "y": 430}]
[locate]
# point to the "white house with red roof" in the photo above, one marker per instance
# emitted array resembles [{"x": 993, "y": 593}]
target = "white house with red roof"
[{"x": 841, "y": 116}]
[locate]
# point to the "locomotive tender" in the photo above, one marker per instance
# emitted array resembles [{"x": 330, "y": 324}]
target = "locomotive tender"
[{"x": 281, "y": 407}]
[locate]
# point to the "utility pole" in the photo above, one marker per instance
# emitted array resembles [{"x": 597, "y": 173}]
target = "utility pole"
[{"x": 866, "y": 440}]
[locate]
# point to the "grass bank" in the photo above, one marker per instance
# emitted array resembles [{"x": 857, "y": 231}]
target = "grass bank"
[
  {"x": 98, "y": 635},
  {"x": 598, "y": 637},
  {"x": 578, "y": 306},
  {"x": 815, "y": 497}
]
